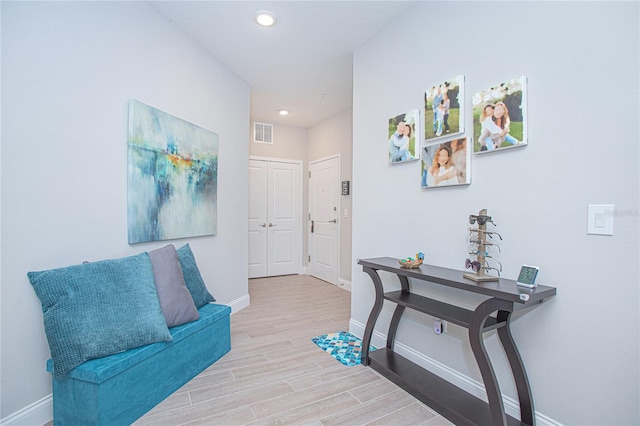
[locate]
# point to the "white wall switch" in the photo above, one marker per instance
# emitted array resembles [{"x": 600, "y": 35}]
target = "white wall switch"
[
  {"x": 600, "y": 219},
  {"x": 346, "y": 213}
]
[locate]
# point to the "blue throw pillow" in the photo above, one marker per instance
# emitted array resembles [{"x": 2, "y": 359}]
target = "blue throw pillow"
[
  {"x": 99, "y": 308},
  {"x": 192, "y": 277}
]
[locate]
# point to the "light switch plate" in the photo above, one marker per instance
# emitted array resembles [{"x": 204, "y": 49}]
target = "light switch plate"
[{"x": 600, "y": 219}]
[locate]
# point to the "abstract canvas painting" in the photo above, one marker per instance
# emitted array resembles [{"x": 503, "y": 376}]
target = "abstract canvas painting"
[{"x": 173, "y": 173}]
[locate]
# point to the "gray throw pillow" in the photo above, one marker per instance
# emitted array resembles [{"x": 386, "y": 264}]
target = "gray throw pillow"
[{"x": 175, "y": 300}]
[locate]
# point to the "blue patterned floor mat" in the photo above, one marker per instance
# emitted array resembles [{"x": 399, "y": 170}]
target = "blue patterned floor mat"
[{"x": 343, "y": 346}]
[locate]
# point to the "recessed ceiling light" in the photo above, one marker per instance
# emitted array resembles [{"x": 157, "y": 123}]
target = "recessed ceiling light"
[
  {"x": 283, "y": 111},
  {"x": 265, "y": 19}
]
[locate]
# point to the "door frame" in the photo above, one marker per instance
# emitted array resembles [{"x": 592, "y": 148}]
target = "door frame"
[
  {"x": 339, "y": 212},
  {"x": 301, "y": 206}
]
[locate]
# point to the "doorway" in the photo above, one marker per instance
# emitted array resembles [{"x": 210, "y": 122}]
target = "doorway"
[
  {"x": 324, "y": 226},
  {"x": 275, "y": 217}
]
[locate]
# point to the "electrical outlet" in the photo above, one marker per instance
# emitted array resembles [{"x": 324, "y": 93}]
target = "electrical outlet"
[{"x": 439, "y": 326}]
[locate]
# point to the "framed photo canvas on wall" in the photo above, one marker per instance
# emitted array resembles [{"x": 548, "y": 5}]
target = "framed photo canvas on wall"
[
  {"x": 444, "y": 109},
  {"x": 446, "y": 164},
  {"x": 403, "y": 142},
  {"x": 500, "y": 116}
]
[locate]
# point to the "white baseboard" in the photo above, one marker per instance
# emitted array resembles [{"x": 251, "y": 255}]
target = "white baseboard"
[
  {"x": 239, "y": 304},
  {"x": 38, "y": 413},
  {"x": 511, "y": 406},
  {"x": 344, "y": 284}
]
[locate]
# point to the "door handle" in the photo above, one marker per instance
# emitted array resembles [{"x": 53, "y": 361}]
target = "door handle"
[
  {"x": 263, "y": 225},
  {"x": 333, "y": 221},
  {"x": 271, "y": 224},
  {"x": 312, "y": 227}
]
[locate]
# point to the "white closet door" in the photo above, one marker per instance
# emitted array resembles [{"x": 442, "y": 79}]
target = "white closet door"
[
  {"x": 258, "y": 172},
  {"x": 275, "y": 218},
  {"x": 283, "y": 211}
]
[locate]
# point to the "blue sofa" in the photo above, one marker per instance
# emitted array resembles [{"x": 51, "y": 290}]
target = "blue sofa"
[{"x": 120, "y": 388}]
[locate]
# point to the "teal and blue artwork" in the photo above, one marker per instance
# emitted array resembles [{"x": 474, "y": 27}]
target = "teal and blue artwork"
[{"x": 173, "y": 174}]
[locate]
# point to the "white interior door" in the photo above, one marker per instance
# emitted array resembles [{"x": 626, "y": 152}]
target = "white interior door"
[
  {"x": 284, "y": 219},
  {"x": 258, "y": 173},
  {"x": 324, "y": 190},
  {"x": 275, "y": 218}
]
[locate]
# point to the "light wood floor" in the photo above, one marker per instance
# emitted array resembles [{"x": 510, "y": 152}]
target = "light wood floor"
[{"x": 275, "y": 374}]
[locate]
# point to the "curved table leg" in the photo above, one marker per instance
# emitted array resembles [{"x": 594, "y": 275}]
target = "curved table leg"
[
  {"x": 397, "y": 314},
  {"x": 393, "y": 326},
  {"x": 478, "y": 318},
  {"x": 527, "y": 412},
  {"x": 404, "y": 282},
  {"x": 373, "y": 316}
]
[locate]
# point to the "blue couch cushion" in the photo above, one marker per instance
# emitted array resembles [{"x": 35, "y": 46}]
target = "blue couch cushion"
[
  {"x": 97, "y": 309},
  {"x": 192, "y": 277},
  {"x": 102, "y": 369}
]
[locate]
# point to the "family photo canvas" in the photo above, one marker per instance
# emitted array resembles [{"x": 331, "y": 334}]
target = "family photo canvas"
[
  {"x": 499, "y": 117},
  {"x": 446, "y": 164},
  {"x": 444, "y": 109},
  {"x": 403, "y": 143}
]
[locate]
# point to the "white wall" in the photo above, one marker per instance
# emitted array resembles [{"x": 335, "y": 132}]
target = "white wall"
[
  {"x": 68, "y": 71},
  {"x": 289, "y": 143},
  {"x": 581, "y": 348},
  {"x": 330, "y": 137}
]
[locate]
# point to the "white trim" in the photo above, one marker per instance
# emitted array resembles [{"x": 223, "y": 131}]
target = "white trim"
[
  {"x": 38, "y": 413},
  {"x": 511, "y": 406},
  {"x": 276, "y": 160},
  {"x": 239, "y": 304},
  {"x": 344, "y": 284},
  {"x": 320, "y": 160}
]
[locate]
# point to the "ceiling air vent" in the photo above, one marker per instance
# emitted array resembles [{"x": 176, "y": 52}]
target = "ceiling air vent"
[{"x": 262, "y": 133}]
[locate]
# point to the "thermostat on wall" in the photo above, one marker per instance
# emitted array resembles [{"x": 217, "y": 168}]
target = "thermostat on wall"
[{"x": 345, "y": 187}]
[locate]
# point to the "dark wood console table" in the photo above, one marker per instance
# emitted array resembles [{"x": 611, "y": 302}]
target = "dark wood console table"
[{"x": 452, "y": 402}]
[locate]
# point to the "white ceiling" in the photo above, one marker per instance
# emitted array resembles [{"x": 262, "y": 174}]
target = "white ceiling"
[{"x": 303, "y": 63}]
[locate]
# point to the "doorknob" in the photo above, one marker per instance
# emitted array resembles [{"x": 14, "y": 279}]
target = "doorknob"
[
  {"x": 263, "y": 225},
  {"x": 271, "y": 224},
  {"x": 333, "y": 221}
]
